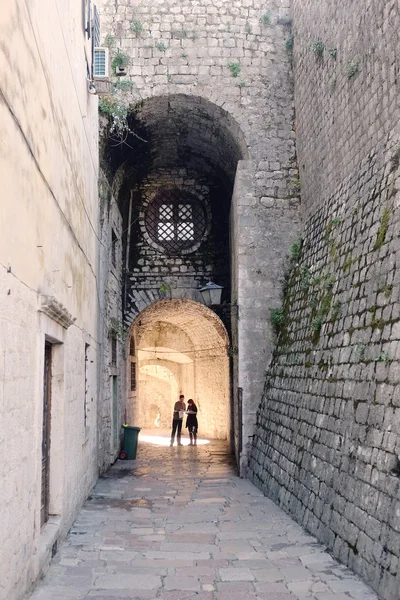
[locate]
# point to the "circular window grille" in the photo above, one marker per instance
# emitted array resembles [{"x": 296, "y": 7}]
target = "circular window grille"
[{"x": 175, "y": 221}]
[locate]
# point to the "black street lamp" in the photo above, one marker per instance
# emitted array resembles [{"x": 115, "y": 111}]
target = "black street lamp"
[{"x": 211, "y": 293}]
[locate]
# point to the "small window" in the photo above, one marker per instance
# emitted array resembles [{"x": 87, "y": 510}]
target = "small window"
[
  {"x": 132, "y": 346},
  {"x": 114, "y": 346},
  {"x": 174, "y": 221},
  {"x": 100, "y": 63},
  {"x": 114, "y": 241}
]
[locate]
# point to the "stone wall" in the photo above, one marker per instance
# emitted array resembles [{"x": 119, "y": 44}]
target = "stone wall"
[
  {"x": 111, "y": 410},
  {"x": 184, "y": 273},
  {"x": 327, "y": 445},
  {"x": 212, "y": 87},
  {"x": 346, "y": 88}
]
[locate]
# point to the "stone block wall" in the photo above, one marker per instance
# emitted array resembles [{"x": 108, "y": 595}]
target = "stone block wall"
[
  {"x": 151, "y": 268},
  {"x": 346, "y": 66},
  {"x": 327, "y": 440},
  {"x": 112, "y": 330}
]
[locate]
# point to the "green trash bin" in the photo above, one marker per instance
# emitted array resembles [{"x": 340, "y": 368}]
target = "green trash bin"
[{"x": 131, "y": 436}]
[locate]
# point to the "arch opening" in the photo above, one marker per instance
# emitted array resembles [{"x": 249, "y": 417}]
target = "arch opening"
[
  {"x": 174, "y": 194},
  {"x": 181, "y": 348}
]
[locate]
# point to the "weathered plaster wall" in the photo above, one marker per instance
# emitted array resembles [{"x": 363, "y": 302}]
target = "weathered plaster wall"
[
  {"x": 191, "y": 68},
  {"x": 327, "y": 440},
  {"x": 48, "y": 226}
]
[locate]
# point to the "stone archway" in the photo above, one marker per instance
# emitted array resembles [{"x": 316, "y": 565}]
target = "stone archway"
[
  {"x": 192, "y": 155},
  {"x": 181, "y": 347}
]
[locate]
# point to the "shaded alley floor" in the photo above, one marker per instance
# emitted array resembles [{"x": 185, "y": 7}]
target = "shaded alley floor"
[{"x": 178, "y": 524}]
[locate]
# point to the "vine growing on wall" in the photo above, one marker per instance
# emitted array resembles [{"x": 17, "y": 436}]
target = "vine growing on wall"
[
  {"x": 278, "y": 316},
  {"x": 116, "y": 330},
  {"x": 118, "y": 104},
  {"x": 115, "y": 110}
]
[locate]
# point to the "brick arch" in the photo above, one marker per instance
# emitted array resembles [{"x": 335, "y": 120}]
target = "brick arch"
[{"x": 201, "y": 325}]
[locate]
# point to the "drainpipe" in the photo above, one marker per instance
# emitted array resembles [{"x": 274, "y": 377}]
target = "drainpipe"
[{"x": 240, "y": 425}]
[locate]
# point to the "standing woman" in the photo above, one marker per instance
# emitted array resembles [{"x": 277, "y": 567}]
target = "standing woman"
[{"x": 191, "y": 422}]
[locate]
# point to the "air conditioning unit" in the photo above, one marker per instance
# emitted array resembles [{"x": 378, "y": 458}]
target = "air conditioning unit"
[{"x": 101, "y": 63}]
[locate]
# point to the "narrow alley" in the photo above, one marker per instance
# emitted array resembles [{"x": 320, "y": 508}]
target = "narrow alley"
[{"x": 178, "y": 524}]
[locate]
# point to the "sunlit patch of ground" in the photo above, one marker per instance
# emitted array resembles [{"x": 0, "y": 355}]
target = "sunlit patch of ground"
[{"x": 163, "y": 439}]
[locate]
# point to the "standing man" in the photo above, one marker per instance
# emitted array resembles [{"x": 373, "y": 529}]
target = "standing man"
[{"x": 179, "y": 411}]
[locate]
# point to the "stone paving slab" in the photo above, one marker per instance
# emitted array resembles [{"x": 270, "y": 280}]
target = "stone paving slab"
[{"x": 178, "y": 524}]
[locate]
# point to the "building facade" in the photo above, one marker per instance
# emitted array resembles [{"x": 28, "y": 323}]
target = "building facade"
[{"x": 49, "y": 272}]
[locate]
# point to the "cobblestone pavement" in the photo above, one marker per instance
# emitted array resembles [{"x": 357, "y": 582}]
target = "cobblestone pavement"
[{"x": 178, "y": 524}]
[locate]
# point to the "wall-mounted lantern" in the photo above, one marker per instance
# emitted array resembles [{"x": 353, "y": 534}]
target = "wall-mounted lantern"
[{"x": 211, "y": 293}]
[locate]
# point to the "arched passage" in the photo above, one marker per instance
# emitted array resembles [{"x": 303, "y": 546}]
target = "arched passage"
[
  {"x": 181, "y": 347},
  {"x": 173, "y": 183},
  {"x": 185, "y": 193}
]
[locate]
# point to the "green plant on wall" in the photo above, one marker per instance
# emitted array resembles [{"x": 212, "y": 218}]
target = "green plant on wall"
[
  {"x": 137, "y": 27},
  {"x": 360, "y": 351},
  {"x": 316, "y": 326},
  {"x": 382, "y": 356},
  {"x": 116, "y": 330},
  {"x": 117, "y": 112},
  {"x": 116, "y": 108},
  {"x": 289, "y": 44},
  {"x": 277, "y": 318},
  {"x": 266, "y": 19},
  {"x": 318, "y": 48},
  {"x": 381, "y": 236},
  {"x": 332, "y": 53},
  {"x": 352, "y": 69},
  {"x": 109, "y": 41},
  {"x": 295, "y": 250},
  {"x": 294, "y": 186},
  {"x": 331, "y": 225},
  {"x": 336, "y": 310},
  {"x": 161, "y": 47},
  {"x": 304, "y": 277},
  {"x": 234, "y": 68},
  {"x": 165, "y": 289},
  {"x": 120, "y": 60}
]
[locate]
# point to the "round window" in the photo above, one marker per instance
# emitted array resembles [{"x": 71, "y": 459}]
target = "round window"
[{"x": 175, "y": 221}]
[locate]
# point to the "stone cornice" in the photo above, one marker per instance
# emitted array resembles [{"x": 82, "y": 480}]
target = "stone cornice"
[{"x": 56, "y": 311}]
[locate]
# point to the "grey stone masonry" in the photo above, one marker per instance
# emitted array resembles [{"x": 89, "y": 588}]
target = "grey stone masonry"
[
  {"x": 346, "y": 67},
  {"x": 327, "y": 440}
]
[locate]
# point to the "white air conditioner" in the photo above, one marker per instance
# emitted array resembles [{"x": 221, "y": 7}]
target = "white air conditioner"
[{"x": 101, "y": 63}]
